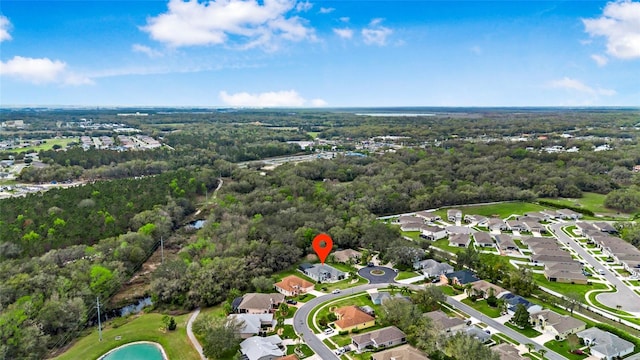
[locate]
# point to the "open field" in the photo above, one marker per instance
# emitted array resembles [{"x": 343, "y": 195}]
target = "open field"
[
  {"x": 562, "y": 348},
  {"x": 483, "y": 307},
  {"x": 47, "y": 145},
  {"x": 590, "y": 201},
  {"x": 145, "y": 327}
]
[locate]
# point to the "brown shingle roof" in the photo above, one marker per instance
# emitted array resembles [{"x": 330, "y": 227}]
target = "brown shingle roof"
[
  {"x": 351, "y": 316},
  {"x": 293, "y": 283}
]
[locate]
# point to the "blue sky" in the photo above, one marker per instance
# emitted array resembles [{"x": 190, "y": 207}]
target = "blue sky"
[{"x": 320, "y": 53}]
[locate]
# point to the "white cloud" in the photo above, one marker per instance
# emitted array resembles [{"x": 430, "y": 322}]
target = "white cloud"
[
  {"x": 345, "y": 19},
  {"x": 620, "y": 24},
  {"x": 376, "y": 34},
  {"x": 289, "y": 98},
  {"x": 5, "y": 25},
  {"x": 304, "y": 6},
  {"x": 578, "y": 86},
  {"x": 600, "y": 60},
  {"x": 245, "y": 24},
  {"x": 146, "y": 50},
  {"x": 326, "y": 10},
  {"x": 41, "y": 71},
  {"x": 345, "y": 33}
]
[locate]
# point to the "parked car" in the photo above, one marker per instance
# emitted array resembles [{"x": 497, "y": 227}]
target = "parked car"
[
  {"x": 291, "y": 301},
  {"x": 336, "y": 291},
  {"x": 328, "y": 331},
  {"x": 370, "y": 264}
]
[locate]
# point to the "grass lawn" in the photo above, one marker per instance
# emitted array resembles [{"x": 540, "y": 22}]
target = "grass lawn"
[
  {"x": 444, "y": 245},
  {"x": 328, "y": 343},
  {"x": 313, "y": 134},
  {"x": 571, "y": 230},
  {"x": 344, "y": 284},
  {"x": 634, "y": 282},
  {"x": 48, "y": 145},
  {"x": 343, "y": 267},
  {"x": 483, "y": 307},
  {"x": 415, "y": 235},
  {"x": 360, "y": 300},
  {"x": 623, "y": 272},
  {"x": 292, "y": 271},
  {"x": 591, "y": 201},
  {"x": 500, "y": 338},
  {"x": 528, "y": 332},
  {"x": 303, "y": 348},
  {"x": 566, "y": 288},
  {"x": 146, "y": 327},
  {"x": 502, "y": 210},
  {"x": 520, "y": 244},
  {"x": 216, "y": 311},
  {"x": 288, "y": 332},
  {"x": 406, "y": 275},
  {"x": 448, "y": 290},
  {"x": 562, "y": 348},
  {"x": 304, "y": 297}
]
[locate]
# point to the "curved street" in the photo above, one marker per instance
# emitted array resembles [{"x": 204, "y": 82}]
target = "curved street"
[
  {"x": 387, "y": 277},
  {"x": 624, "y": 296},
  {"x": 302, "y": 314}
]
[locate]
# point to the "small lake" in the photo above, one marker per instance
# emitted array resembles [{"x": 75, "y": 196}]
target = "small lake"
[
  {"x": 136, "y": 351},
  {"x": 198, "y": 224}
]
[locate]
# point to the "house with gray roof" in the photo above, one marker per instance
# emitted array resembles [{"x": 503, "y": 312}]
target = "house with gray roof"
[
  {"x": 378, "y": 339},
  {"x": 497, "y": 224},
  {"x": 605, "y": 227},
  {"x": 444, "y": 323},
  {"x": 559, "y": 325},
  {"x": 323, "y": 273},
  {"x": 377, "y": 298},
  {"x": 507, "y": 351},
  {"x": 505, "y": 242},
  {"x": 262, "y": 348},
  {"x": 478, "y": 220},
  {"x": 255, "y": 303},
  {"x": 433, "y": 232},
  {"x": 454, "y": 215},
  {"x": 582, "y": 228},
  {"x": 477, "y": 333},
  {"x": 568, "y": 214},
  {"x": 605, "y": 345},
  {"x": 483, "y": 239},
  {"x": 432, "y": 268},
  {"x": 428, "y": 216},
  {"x": 516, "y": 225},
  {"x": 253, "y": 324},
  {"x": 459, "y": 240},
  {"x": 404, "y": 352}
]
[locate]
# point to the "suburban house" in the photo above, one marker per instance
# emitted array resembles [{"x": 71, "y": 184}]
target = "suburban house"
[
  {"x": 344, "y": 256},
  {"x": 478, "y": 220},
  {"x": 322, "y": 272},
  {"x": 444, "y": 323},
  {"x": 568, "y": 214},
  {"x": 582, "y": 228},
  {"x": 293, "y": 286},
  {"x": 253, "y": 324},
  {"x": 460, "y": 277},
  {"x": 541, "y": 243},
  {"x": 605, "y": 345},
  {"x": 405, "y": 219},
  {"x": 605, "y": 227},
  {"x": 254, "y": 303},
  {"x": 483, "y": 239},
  {"x": 432, "y": 268},
  {"x": 455, "y": 229},
  {"x": 507, "y": 351},
  {"x": 516, "y": 225},
  {"x": 404, "y": 352},
  {"x": 378, "y": 339},
  {"x": 428, "y": 216},
  {"x": 565, "y": 272},
  {"x": 551, "y": 256},
  {"x": 477, "y": 333},
  {"x": 533, "y": 226},
  {"x": 412, "y": 226},
  {"x": 459, "y": 240},
  {"x": 533, "y": 216},
  {"x": 622, "y": 251},
  {"x": 560, "y": 325},
  {"x": 433, "y": 232},
  {"x": 497, "y": 224},
  {"x": 454, "y": 215},
  {"x": 351, "y": 317},
  {"x": 505, "y": 242},
  {"x": 262, "y": 348},
  {"x": 513, "y": 300},
  {"x": 377, "y": 298},
  {"x": 550, "y": 214},
  {"x": 483, "y": 288}
]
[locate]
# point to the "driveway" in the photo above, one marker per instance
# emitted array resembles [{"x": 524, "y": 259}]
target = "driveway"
[
  {"x": 624, "y": 296},
  {"x": 387, "y": 276}
]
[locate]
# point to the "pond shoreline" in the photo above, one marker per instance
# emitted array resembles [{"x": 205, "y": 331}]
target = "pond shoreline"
[{"x": 164, "y": 354}]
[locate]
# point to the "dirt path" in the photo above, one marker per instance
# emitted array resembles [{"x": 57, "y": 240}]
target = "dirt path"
[{"x": 192, "y": 337}]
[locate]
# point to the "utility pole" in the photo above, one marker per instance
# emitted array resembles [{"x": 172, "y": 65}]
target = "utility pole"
[
  {"x": 162, "y": 248},
  {"x": 99, "y": 323}
]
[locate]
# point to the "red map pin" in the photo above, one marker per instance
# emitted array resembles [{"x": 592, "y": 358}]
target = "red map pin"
[{"x": 322, "y": 245}]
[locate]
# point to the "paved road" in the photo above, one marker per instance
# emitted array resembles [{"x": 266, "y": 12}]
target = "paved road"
[
  {"x": 193, "y": 339},
  {"x": 627, "y": 298},
  {"x": 387, "y": 277},
  {"x": 301, "y": 315},
  {"x": 502, "y": 328}
]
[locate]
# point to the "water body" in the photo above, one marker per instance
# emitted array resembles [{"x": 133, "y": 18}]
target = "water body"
[
  {"x": 198, "y": 224},
  {"x": 137, "y": 307},
  {"x": 136, "y": 351}
]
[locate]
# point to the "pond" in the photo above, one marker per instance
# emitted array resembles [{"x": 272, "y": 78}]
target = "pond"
[
  {"x": 198, "y": 224},
  {"x": 136, "y": 351}
]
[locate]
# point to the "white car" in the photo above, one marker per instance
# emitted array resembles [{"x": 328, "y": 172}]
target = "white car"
[
  {"x": 336, "y": 291},
  {"x": 328, "y": 331}
]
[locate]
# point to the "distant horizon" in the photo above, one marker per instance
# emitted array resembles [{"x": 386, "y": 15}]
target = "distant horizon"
[{"x": 320, "y": 54}]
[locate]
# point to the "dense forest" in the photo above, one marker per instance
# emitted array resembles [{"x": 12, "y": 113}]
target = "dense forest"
[{"x": 62, "y": 248}]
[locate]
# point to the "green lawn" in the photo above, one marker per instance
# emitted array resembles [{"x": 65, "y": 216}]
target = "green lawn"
[
  {"x": 360, "y": 300},
  {"x": 292, "y": 271},
  {"x": 304, "y": 297},
  {"x": 590, "y": 201},
  {"x": 623, "y": 272},
  {"x": 448, "y": 290},
  {"x": 566, "y": 288},
  {"x": 313, "y": 134},
  {"x": 528, "y": 332},
  {"x": 502, "y": 210},
  {"x": 344, "y": 284},
  {"x": 444, "y": 245},
  {"x": 483, "y": 307},
  {"x": 562, "y": 348},
  {"x": 328, "y": 343},
  {"x": 146, "y": 327},
  {"x": 415, "y": 235},
  {"x": 634, "y": 282},
  {"x": 48, "y": 145},
  {"x": 500, "y": 338},
  {"x": 406, "y": 275}
]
